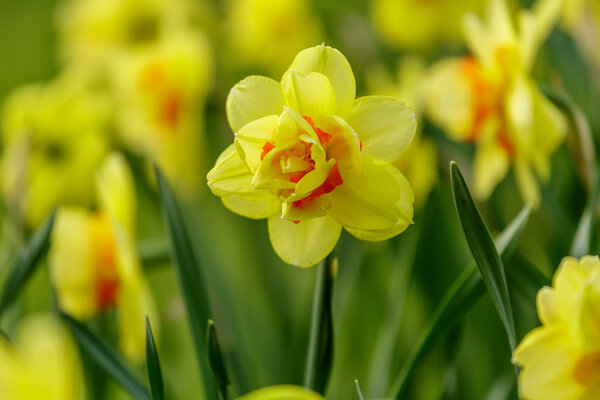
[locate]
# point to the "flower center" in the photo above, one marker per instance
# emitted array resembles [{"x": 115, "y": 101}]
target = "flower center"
[
  {"x": 298, "y": 161},
  {"x": 105, "y": 269}
]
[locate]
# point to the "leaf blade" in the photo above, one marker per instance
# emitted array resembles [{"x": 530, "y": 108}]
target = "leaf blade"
[
  {"x": 155, "y": 380},
  {"x": 217, "y": 363},
  {"x": 107, "y": 358}
]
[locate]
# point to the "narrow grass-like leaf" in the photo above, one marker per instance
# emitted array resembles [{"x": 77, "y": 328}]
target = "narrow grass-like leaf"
[
  {"x": 27, "y": 260},
  {"x": 484, "y": 252},
  {"x": 107, "y": 358},
  {"x": 319, "y": 357},
  {"x": 157, "y": 389},
  {"x": 191, "y": 280},
  {"x": 462, "y": 295},
  {"x": 583, "y": 235},
  {"x": 217, "y": 363},
  {"x": 358, "y": 391}
]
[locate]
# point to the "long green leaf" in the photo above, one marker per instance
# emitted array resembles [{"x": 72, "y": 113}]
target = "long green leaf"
[
  {"x": 217, "y": 363},
  {"x": 462, "y": 295},
  {"x": 319, "y": 357},
  {"x": 583, "y": 234},
  {"x": 358, "y": 391},
  {"x": 484, "y": 252},
  {"x": 157, "y": 389},
  {"x": 107, "y": 358},
  {"x": 27, "y": 260},
  {"x": 191, "y": 281}
]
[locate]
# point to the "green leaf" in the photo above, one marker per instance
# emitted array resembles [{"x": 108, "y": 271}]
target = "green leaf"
[
  {"x": 358, "y": 391},
  {"x": 154, "y": 252},
  {"x": 319, "y": 357},
  {"x": 217, "y": 363},
  {"x": 155, "y": 380},
  {"x": 107, "y": 358},
  {"x": 462, "y": 295},
  {"x": 27, "y": 260},
  {"x": 484, "y": 252},
  {"x": 583, "y": 235},
  {"x": 191, "y": 280}
]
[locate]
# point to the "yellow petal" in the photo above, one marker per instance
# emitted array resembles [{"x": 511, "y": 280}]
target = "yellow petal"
[
  {"x": 305, "y": 243},
  {"x": 282, "y": 392},
  {"x": 309, "y": 94},
  {"x": 230, "y": 175},
  {"x": 257, "y": 205},
  {"x": 344, "y": 146},
  {"x": 528, "y": 185},
  {"x": 478, "y": 39},
  {"x": 252, "y": 98},
  {"x": 331, "y": 63},
  {"x": 251, "y": 139},
  {"x": 71, "y": 263},
  {"x": 490, "y": 167},
  {"x": 546, "y": 305},
  {"x": 385, "y": 126},
  {"x": 377, "y": 235},
  {"x": 376, "y": 198}
]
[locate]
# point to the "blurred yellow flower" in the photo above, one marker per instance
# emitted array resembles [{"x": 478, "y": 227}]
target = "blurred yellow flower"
[
  {"x": 93, "y": 31},
  {"x": 492, "y": 100},
  {"x": 282, "y": 392},
  {"x": 54, "y": 138},
  {"x": 42, "y": 362},
  {"x": 160, "y": 93},
  {"x": 311, "y": 158},
  {"x": 582, "y": 19},
  {"x": 418, "y": 25},
  {"x": 419, "y": 163},
  {"x": 94, "y": 263},
  {"x": 561, "y": 358},
  {"x": 268, "y": 33}
]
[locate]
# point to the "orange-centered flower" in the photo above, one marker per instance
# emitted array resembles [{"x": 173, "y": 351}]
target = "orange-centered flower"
[{"x": 311, "y": 158}]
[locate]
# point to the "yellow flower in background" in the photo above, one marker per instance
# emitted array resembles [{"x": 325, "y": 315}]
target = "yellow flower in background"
[
  {"x": 490, "y": 99},
  {"x": 419, "y": 25},
  {"x": 93, "y": 31},
  {"x": 94, "y": 263},
  {"x": 419, "y": 163},
  {"x": 282, "y": 392},
  {"x": 311, "y": 158},
  {"x": 561, "y": 359},
  {"x": 582, "y": 19},
  {"x": 268, "y": 33},
  {"x": 42, "y": 362},
  {"x": 160, "y": 93},
  {"x": 54, "y": 137}
]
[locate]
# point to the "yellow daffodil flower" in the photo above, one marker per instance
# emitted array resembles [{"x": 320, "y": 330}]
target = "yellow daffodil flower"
[
  {"x": 560, "y": 360},
  {"x": 54, "y": 138},
  {"x": 419, "y": 163},
  {"x": 582, "y": 19},
  {"x": 160, "y": 93},
  {"x": 268, "y": 33},
  {"x": 282, "y": 392},
  {"x": 93, "y": 31},
  {"x": 42, "y": 362},
  {"x": 93, "y": 259},
  {"x": 491, "y": 99},
  {"x": 417, "y": 25},
  {"x": 311, "y": 158}
]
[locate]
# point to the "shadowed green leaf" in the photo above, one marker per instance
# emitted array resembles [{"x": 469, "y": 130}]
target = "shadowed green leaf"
[
  {"x": 155, "y": 380},
  {"x": 462, "y": 295},
  {"x": 217, "y": 363},
  {"x": 583, "y": 235},
  {"x": 107, "y": 358},
  {"x": 191, "y": 280},
  {"x": 484, "y": 252},
  {"x": 27, "y": 260},
  {"x": 319, "y": 357}
]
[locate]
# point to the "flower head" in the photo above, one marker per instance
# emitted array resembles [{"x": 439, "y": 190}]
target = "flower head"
[
  {"x": 42, "y": 362},
  {"x": 93, "y": 259},
  {"x": 561, "y": 358},
  {"x": 54, "y": 137},
  {"x": 282, "y": 392},
  {"x": 311, "y": 158},
  {"x": 491, "y": 99}
]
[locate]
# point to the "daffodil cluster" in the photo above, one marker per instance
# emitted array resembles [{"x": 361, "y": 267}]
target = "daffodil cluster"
[
  {"x": 312, "y": 158},
  {"x": 93, "y": 259},
  {"x": 490, "y": 99},
  {"x": 561, "y": 358}
]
